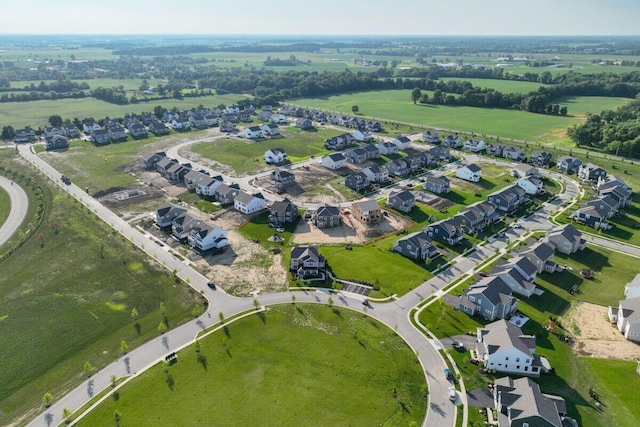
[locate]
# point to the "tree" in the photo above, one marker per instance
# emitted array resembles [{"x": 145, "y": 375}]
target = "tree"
[
  {"x": 416, "y": 93},
  {"x": 355, "y": 109},
  {"x": 66, "y": 414},
  {"x": 293, "y": 298},
  {"x": 117, "y": 416},
  {"x": 124, "y": 347},
  {"x": 8, "y": 132},
  {"x": 563, "y": 111},
  {"x": 221, "y": 316},
  {"x": 162, "y": 308},
  {"x": 114, "y": 379},
  {"x": 55, "y": 120},
  {"x": 134, "y": 314},
  {"x": 197, "y": 346},
  {"x": 47, "y": 399},
  {"x": 330, "y": 302},
  {"x": 256, "y": 304},
  {"x": 162, "y": 327},
  {"x": 88, "y": 368}
]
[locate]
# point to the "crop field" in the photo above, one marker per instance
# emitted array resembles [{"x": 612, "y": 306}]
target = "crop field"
[
  {"x": 245, "y": 156},
  {"x": 290, "y": 365},
  {"x": 36, "y": 113},
  {"x": 73, "y": 304},
  {"x": 127, "y": 84}
]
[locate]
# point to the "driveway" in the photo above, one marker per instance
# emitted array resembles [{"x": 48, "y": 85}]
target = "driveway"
[{"x": 480, "y": 397}]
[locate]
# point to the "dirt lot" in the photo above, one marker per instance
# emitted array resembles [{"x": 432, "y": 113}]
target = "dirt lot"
[{"x": 595, "y": 336}]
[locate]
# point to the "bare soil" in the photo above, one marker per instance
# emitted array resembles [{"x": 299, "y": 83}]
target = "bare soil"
[{"x": 594, "y": 336}]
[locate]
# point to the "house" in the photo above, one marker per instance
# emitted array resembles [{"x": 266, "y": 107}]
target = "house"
[
  {"x": 90, "y": 126},
  {"x": 387, "y": 148},
  {"x": 503, "y": 347},
  {"x": 210, "y": 119},
  {"x": 339, "y": 142},
  {"x": 632, "y": 289},
  {"x": 283, "y": 212},
  {"x": 488, "y": 211},
  {"x": 414, "y": 162},
  {"x": 275, "y": 156},
  {"x": 192, "y": 178},
  {"x": 431, "y": 137},
  {"x": 437, "y": 184},
  {"x": 71, "y": 131},
  {"x": 149, "y": 160},
  {"x": 607, "y": 204},
  {"x": 183, "y": 224},
  {"x": 137, "y": 130},
  {"x": 326, "y": 216},
  {"x": 530, "y": 185},
  {"x": 50, "y": 132},
  {"x": 306, "y": 261},
  {"x": 357, "y": 181},
  {"x": 373, "y": 126},
  {"x": 270, "y": 129},
  {"x": 177, "y": 171},
  {"x": 253, "y": 132},
  {"x": 441, "y": 152},
  {"x": 180, "y": 123},
  {"x": 402, "y": 201},
  {"x": 334, "y": 161},
  {"x": 591, "y": 172},
  {"x": 227, "y": 126},
  {"x": 523, "y": 171},
  {"x": 205, "y": 237},
  {"x": 376, "y": 173},
  {"x": 159, "y": 129},
  {"x": 402, "y": 142},
  {"x": 245, "y": 116},
  {"x": 117, "y": 133},
  {"x": 568, "y": 164},
  {"x": 362, "y": 136},
  {"x": 541, "y": 158},
  {"x": 372, "y": 151},
  {"x": 100, "y": 137},
  {"x": 470, "y": 220},
  {"x": 367, "y": 211},
  {"x": 278, "y": 119},
  {"x": 592, "y": 216},
  {"x": 249, "y": 203},
  {"x": 490, "y": 298},
  {"x": 519, "y": 274},
  {"x": 495, "y": 149},
  {"x": 627, "y": 318},
  {"x": 265, "y": 115},
  {"x": 398, "y": 167},
  {"x": 475, "y": 145},
  {"x": 508, "y": 199},
  {"x": 164, "y": 164},
  {"x": 514, "y": 153},
  {"x": 615, "y": 187},
  {"x": 226, "y": 194},
  {"x": 566, "y": 239},
  {"x": 57, "y": 142},
  {"x": 208, "y": 186},
  {"x": 445, "y": 231},
  {"x": 471, "y": 172},
  {"x": 416, "y": 246},
  {"x": 541, "y": 255},
  {"x": 356, "y": 155},
  {"x": 197, "y": 121},
  {"x": 281, "y": 178},
  {"x": 453, "y": 141},
  {"x": 167, "y": 213},
  {"x": 519, "y": 402},
  {"x": 303, "y": 123}
]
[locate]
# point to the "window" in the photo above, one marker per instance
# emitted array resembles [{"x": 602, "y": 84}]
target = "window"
[
  {"x": 506, "y": 358},
  {"x": 517, "y": 359}
]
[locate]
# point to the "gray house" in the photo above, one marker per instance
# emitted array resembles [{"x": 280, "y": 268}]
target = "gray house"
[
  {"x": 357, "y": 181},
  {"x": 566, "y": 239},
  {"x": 508, "y": 199},
  {"x": 519, "y": 402},
  {"x": 281, "y": 178},
  {"x": 568, "y": 164},
  {"x": 283, "y": 212},
  {"x": 490, "y": 298},
  {"x": 403, "y": 201},
  {"x": 416, "y": 246},
  {"x": 167, "y": 213},
  {"x": 591, "y": 172},
  {"x": 437, "y": 184},
  {"x": 326, "y": 216},
  {"x": 541, "y": 255},
  {"x": 445, "y": 231},
  {"x": 398, "y": 167},
  {"x": 306, "y": 261}
]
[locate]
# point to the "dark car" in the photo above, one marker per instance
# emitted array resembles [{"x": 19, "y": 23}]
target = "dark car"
[
  {"x": 65, "y": 179},
  {"x": 211, "y": 285}
]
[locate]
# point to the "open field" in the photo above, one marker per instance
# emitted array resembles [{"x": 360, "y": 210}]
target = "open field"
[
  {"x": 36, "y": 113},
  {"x": 292, "y": 364},
  {"x": 127, "y": 84},
  {"x": 245, "y": 156},
  {"x": 73, "y": 304},
  {"x": 5, "y": 206},
  {"x": 581, "y": 105}
]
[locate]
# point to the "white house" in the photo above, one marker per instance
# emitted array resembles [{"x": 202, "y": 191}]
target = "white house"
[
  {"x": 502, "y": 346},
  {"x": 270, "y": 129},
  {"x": 278, "y": 118},
  {"x": 402, "y": 142},
  {"x": 249, "y": 203},
  {"x": 275, "y": 155},
  {"x": 207, "y": 237},
  {"x": 530, "y": 185},
  {"x": 334, "y": 161},
  {"x": 470, "y": 172},
  {"x": 362, "y": 136},
  {"x": 626, "y": 316},
  {"x": 632, "y": 289},
  {"x": 88, "y": 127},
  {"x": 253, "y": 132},
  {"x": 387, "y": 148},
  {"x": 475, "y": 145},
  {"x": 207, "y": 187}
]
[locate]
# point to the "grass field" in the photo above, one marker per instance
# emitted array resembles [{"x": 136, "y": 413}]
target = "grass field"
[
  {"x": 5, "y": 206},
  {"x": 127, "y": 84},
  {"x": 294, "y": 365},
  {"x": 246, "y": 156},
  {"x": 73, "y": 304},
  {"x": 36, "y": 113}
]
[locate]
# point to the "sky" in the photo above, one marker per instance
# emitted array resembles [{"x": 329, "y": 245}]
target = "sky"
[{"x": 326, "y": 17}]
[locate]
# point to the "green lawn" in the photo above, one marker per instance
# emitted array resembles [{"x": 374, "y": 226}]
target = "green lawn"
[
  {"x": 73, "y": 303},
  {"x": 5, "y": 206},
  {"x": 294, "y": 365},
  {"x": 258, "y": 228},
  {"x": 36, "y": 113},
  {"x": 245, "y": 156}
]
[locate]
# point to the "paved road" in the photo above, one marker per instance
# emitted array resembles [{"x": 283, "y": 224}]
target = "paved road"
[{"x": 19, "y": 208}]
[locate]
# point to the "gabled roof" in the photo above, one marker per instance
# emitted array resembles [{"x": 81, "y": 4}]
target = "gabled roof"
[
  {"x": 282, "y": 207},
  {"x": 473, "y": 167},
  {"x": 525, "y": 401},
  {"x": 437, "y": 180},
  {"x": 254, "y": 128},
  {"x": 403, "y": 139},
  {"x": 542, "y": 250},
  {"x": 367, "y": 205},
  {"x": 337, "y": 157},
  {"x": 405, "y": 196},
  {"x": 327, "y": 210},
  {"x": 493, "y": 288},
  {"x": 631, "y": 309},
  {"x": 501, "y": 335},
  {"x": 419, "y": 239},
  {"x": 306, "y": 253},
  {"x": 567, "y": 231}
]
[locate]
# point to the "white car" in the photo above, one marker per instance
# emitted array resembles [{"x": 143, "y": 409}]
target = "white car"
[{"x": 452, "y": 394}]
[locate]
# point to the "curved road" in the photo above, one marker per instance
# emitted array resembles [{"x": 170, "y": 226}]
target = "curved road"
[{"x": 18, "y": 212}]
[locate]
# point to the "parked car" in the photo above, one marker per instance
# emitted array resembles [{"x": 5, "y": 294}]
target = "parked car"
[
  {"x": 452, "y": 394},
  {"x": 212, "y": 285},
  {"x": 447, "y": 374},
  {"x": 457, "y": 345}
]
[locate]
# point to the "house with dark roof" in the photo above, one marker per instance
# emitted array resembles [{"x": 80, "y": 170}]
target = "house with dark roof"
[
  {"x": 504, "y": 348},
  {"x": 495, "y": 149},
  {"x": 591, "y": 172},
  {"x": 326, "y": 216},
  {"x": 402, "y": 142},
  {"x": 398, "y": 167},
  {"x": 531, "y": 185},
  {"x": 192, "y": 177},
  {"x": 519, "y": 274},
  {"x": 416, "y": 246},
  {"x": 372, "y": 151},
  {"x": 167, "y": 213},
  {"x": 431, "y": 137},
  {"x": 182, "y": 225},
  {"x": 71, "y": 131},
  {"x": 566, "y": 239},
  {"x": 177, "y": 171},
  {"x": 490, "y": 298},
  {"x": 513, "y": 152},
  {"x": 437, "y": 184},
  {"x": 206, "y": 236},
  {"x": 541, "y": 255},
  {"x": 453, "y": 141},
  {"x": 208, "y": 186},
  {"x": 163, "y": 165},
  {"x": 445, "y": 231},
  {"x": 275, "y": 156},
  {"x": 475, "y": 145},
  {"x": 253, "y": 132},
  {"x": 627, "y": 318},
  {"x": 149, "y": 160},
  {"x": 568, "y": 164},
  {"x": 611, "y": 185},
  {"x": 375, "y": 173},
  {"x": 356, "y": 155},
  {"x": 357, "y": 181},
  {"x": 159, "y": 129},
  {"x": 283, "y": 212},
  {"x": 402, "y": 201},
  {"x": 520, "y": 403},
  {"x": 137, "y": 130},
  {"x": 303, "y": 123},
  {"x": 367, "y": 211},
  {"x": 57, "y": 142},
  {"x": 387, "y": 148},
  {"x": 593, "y": 216},
  {"x": 541, "y": 158},
  {"x": 100, "y": 137},
  {"x": 334, "y": 161},
  {"x": 281, "y": 178},
  {"x": 226, "y": 194},
  {"x": 307, "y": 262},
  {"x": 471, "y": 172},
  {"x": 270, "y": 129},
  {"x": 508, "y": 199}
]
